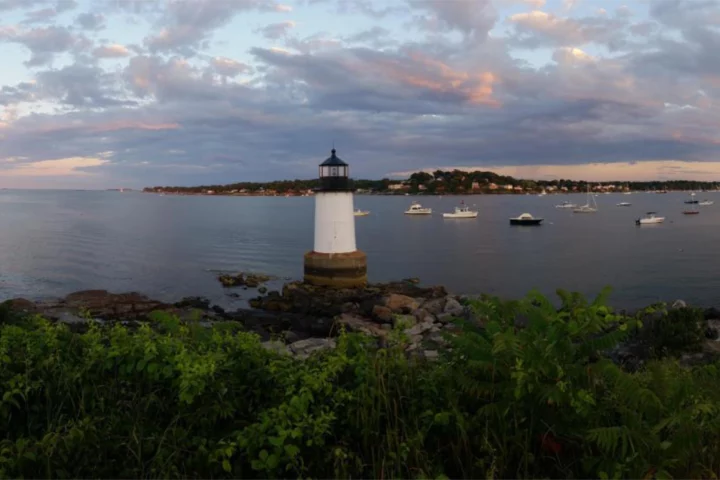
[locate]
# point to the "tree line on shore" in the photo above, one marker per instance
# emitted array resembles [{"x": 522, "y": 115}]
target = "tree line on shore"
[
  {"x": 441, "y": 182},
  {"x": 177, "y": 399}
]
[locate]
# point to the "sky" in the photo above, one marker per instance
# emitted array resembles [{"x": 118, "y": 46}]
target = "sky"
[{"x": 135, "y": 93}]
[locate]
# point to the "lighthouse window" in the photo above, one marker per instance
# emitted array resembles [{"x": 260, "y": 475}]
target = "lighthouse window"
[{"x": 334, "y": 171}]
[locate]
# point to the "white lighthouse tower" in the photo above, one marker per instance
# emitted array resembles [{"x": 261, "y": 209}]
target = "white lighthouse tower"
[{"x": 335, "y": 260}]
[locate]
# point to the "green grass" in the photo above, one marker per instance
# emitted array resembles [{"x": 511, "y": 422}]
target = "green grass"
[{"x": 180, "y": 400}]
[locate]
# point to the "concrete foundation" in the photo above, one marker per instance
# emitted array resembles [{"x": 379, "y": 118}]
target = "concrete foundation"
[{"x": 339, "y": 270}]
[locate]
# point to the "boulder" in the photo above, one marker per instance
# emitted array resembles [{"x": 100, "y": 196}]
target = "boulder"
[
  {"x": 712, "y": 330},
  {"x": 423, "y": 315},
  {"x": 400, "y": 303},
  {"x": 434, "y": 306},
  {"x": 431, "y": 354},
  {"x": 419, "y": 329},
  {"x": 353, "y": 323},
  {"x": 105, "y": 305},
  {"x": 304, "y": 348},
  {"x": 453, "y": 307},
  {"x": 201, "y": 303},
  {"x": 251, "y": 280},
  {"x": 679, "y": 304},
  {"x": 382, "y": 314},
  {"x": 21, "y": 305}
]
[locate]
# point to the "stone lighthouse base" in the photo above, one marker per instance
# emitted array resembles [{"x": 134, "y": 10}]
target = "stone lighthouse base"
[{"x": 339, "y": 270}]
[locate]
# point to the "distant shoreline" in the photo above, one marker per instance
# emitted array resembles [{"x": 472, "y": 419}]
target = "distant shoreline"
[{"x": 417, "y": 194}]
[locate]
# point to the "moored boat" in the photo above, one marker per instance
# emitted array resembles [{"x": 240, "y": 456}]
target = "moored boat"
[
  {"x": 587, "y": 208},
  {"x": 525, "y": 219},
  {"x": 463, "y": 211},
  {"x": 649, "y": 219},
  {"x": 417, "y": 209},
  {"x": 624, "y": 204},
  {"x": 706, "y": 202},
  {"x": 566, "y": 204},
  {"x": 361, "y": 213}
]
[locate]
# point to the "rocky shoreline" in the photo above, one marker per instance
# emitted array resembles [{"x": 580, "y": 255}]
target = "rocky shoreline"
[
  {"x": 298, "y": 320},
  {"x": 302, "y": 318}
]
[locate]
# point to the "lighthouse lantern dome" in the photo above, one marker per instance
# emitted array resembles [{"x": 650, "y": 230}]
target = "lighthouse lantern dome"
[{"x": 334, "y": 174}]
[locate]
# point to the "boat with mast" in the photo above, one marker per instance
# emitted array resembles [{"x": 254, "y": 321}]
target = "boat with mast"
[{"x": 587, "y": 208}]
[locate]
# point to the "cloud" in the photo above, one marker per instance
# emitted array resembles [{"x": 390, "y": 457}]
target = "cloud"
[
  {"x": 398, "y": 84},
  {"x": 111, "y": 51},
  {"x": 275, "y": 31},
  {"x": 470, "y": 18},
  {"x": 541, "y": 29},
  {"x": 43, "y": 42},
  {"x": 229, "y": 67},
  {"x": 61, "y": 167},
  {"x": 91, "y": 21},
  {"x": 186, "y": 24},
  {"x": 80, "y": 85}
]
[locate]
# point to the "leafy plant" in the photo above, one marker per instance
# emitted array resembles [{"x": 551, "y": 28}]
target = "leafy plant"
[{"x": 530, "y": 394}]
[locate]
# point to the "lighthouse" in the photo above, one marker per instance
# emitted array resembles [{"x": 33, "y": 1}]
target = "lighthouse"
[{"x": 335, "y": 260}]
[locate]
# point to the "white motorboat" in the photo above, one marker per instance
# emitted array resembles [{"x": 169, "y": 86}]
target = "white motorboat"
[
  {"x": 706, "y": 202},
  {"x": 525, "y": 219},
  {"x": 649, "y": 219},
  {"x": 361, "y": 213},
  {"x": 624, "y": 204},
  {"x": 463, "y": 211},
  {"x": 587, "y": 208},
  {"x": 417, "y": 209},
  {"x": 566, "y": 204}
]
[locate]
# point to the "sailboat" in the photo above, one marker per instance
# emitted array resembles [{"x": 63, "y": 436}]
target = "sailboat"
[
  {"x": 587, "y": 208},
  {"x": 692, "y": 199}
]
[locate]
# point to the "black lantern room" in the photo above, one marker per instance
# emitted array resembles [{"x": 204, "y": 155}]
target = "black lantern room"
[{"x": 334, "y": 175}]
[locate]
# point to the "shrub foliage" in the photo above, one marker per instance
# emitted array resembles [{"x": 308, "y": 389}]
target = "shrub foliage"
[{"x": 181, "y": 400}]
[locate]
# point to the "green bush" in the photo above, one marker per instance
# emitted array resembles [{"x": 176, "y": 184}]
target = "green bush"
[
  {"x": 675, "y": 331},
  {"x": 180, "y": 400}
]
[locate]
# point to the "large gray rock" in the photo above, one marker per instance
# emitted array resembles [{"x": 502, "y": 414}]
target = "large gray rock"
[
  {"x": 453, "y": 307},
  {"x": 354, "y": 323},
  {"x": 304, "y": 348},
  {"x": 679, "y": 304},
  {"x": 434, "y": 306},
  {"x": 423, "y": 315},
  {"x": 419, "y": 329}
]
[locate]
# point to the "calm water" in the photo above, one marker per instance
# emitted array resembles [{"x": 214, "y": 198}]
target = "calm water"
[{"x": 53, "y": 243}]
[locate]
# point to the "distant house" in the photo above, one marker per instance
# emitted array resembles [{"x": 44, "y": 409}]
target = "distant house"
[
  {"x": 475, "y": 186},
  {"x": 493, "y": 186},
  {"x": 518, "y": 188},
  {"x": 396, "y": 186},
  {"x": 210, "y": 192},
  {"x": 422, "y": 188},
  {"x": 507, "y": 187}
]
